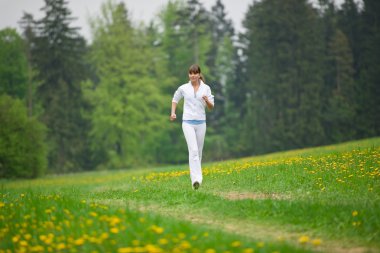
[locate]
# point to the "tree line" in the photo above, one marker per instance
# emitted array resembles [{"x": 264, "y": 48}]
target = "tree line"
[{"x": 300, "y": 74}]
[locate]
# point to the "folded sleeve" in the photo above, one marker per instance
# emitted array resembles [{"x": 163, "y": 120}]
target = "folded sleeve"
[
  {"x": 210, "y": 96},
  {"x": 178, "y": 95}
]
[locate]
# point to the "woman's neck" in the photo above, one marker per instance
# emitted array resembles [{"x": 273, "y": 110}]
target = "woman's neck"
[{"x": 196, "y": 83}]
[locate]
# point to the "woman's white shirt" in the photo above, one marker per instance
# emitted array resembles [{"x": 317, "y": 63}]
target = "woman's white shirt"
[{"x": 194, "y": 105}]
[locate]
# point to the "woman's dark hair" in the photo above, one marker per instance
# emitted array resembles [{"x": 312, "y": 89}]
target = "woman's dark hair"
[{"x": 195, "y": 69}]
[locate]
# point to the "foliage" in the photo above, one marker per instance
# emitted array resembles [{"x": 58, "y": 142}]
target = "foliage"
[
  {"x": 284, "y": 77},
  {"x": 57, "y": 52},
  {"x": 13, "y": 64},
  {"x": 299, "y": 74},
  {"x": 22, "y": 146},
  {"x": 127, "y": 116}
]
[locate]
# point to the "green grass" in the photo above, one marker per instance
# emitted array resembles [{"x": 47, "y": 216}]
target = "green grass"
[{"x": 321, "y": 199}]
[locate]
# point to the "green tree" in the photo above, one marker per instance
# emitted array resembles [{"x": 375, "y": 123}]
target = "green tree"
[
  {"x": 284, "y": 78},
  {"x": 127, "y": 117},
  {"x": 22, "y": 141},
  {"x": 13, "y": 64},
  {"x": 340, "y": 107},
  {"x": 368, "y": 120},
  {"x": 57, "y": 55}
]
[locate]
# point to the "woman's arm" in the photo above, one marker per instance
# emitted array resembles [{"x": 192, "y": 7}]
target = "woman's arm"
[
  {"x": 210, "y": 105},
  {"x": 173, "y": 116}
]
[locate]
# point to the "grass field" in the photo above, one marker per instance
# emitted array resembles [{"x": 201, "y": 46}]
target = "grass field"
[{"x": 324, "y": 199}]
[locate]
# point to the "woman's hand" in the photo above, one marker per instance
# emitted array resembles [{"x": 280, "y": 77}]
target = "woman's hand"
[
  {"x": 208, "y": 103},
  {"x": 173, "y": 116}
]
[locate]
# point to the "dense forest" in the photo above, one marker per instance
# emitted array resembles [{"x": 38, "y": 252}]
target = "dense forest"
[{"x": 300, "y": 74}]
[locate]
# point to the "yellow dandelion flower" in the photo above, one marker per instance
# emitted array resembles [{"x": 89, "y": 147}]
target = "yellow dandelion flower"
[
  {"x": 157, "y": 229},
  {"x": 61, "y": 246},
  {"x": 93, "y": 214},
  {"x": 249, "y": 250},
  {"x": 210, "y": 251},
  {"x": 153, "y": 249},
  {"x": 236, "y": 244},
  {"x": 125, "y": 250},
  {"x": 104, "y": 236},
  {"x": 79, "y": 241},
  {"x": 355, "y": 213},
  {"x": 23, "y": 243},
  {"x": 205, "y": 234},
  {"x": 15, "y": 238},
  {"x": 37, "y": 248},
  {"x": 316, "y": 242},
  {"x": 2, "y": 204},
  {"x": 303, "y": 239},
  {"x": 114, "y": 230},
  {"x": 185, "y": 245},
  {"x": 114, "y": 221},
  {"x": 163, "y": 241}
]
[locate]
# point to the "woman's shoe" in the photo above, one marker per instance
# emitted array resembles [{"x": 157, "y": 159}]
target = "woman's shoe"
[{"x": 196, "y": 185}]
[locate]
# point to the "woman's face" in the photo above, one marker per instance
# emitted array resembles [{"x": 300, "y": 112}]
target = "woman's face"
[{"x": 194, "y": 77}]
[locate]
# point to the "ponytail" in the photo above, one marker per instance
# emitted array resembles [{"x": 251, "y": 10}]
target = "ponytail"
[{"x": 202, "y": 78}]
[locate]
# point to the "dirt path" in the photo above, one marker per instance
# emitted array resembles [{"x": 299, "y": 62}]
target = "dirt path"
[{"x": 257, "y": 231}]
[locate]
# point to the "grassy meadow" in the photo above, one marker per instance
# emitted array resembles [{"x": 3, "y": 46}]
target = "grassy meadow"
[{"x": 324, "y": 199}]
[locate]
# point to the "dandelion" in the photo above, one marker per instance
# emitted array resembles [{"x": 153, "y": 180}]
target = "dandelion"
[
  {"x": 355, "y": 213},
  {"x": 185, "y": 245},
  {"x": 61, "y": 246},
  {"x": 23, "y": 243},
  {"x": 15, "y": 238},
  {"x": 236, "y": 244},
  {"x": 249, "y": 250},
  {"x": 163, "y": 241},
  {"x": 125, "y": 250},
  {"x": 114, "y": 230},
  {"x": 79, "y": 241},
  {"x": 316, "y": 242},
  {"x": 153, "y": 249},
  {"x": 303, "y": 239},
  {"x": 210, "y": 251},
  {"x": 157, "y": 229}
]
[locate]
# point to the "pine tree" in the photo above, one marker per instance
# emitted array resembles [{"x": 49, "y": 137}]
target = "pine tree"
[
  {"x": 368, "y": 120},
  {"x": 58, "y": 57},
  {"x": 340, "y": 107},
  {"x": 283, "y": 49}
]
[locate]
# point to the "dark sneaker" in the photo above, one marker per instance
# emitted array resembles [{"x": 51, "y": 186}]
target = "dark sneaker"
[{"x": 196, "y": 185}]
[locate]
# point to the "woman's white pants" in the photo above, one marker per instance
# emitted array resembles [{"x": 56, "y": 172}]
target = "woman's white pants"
[{"x": 195, "y": 136}]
